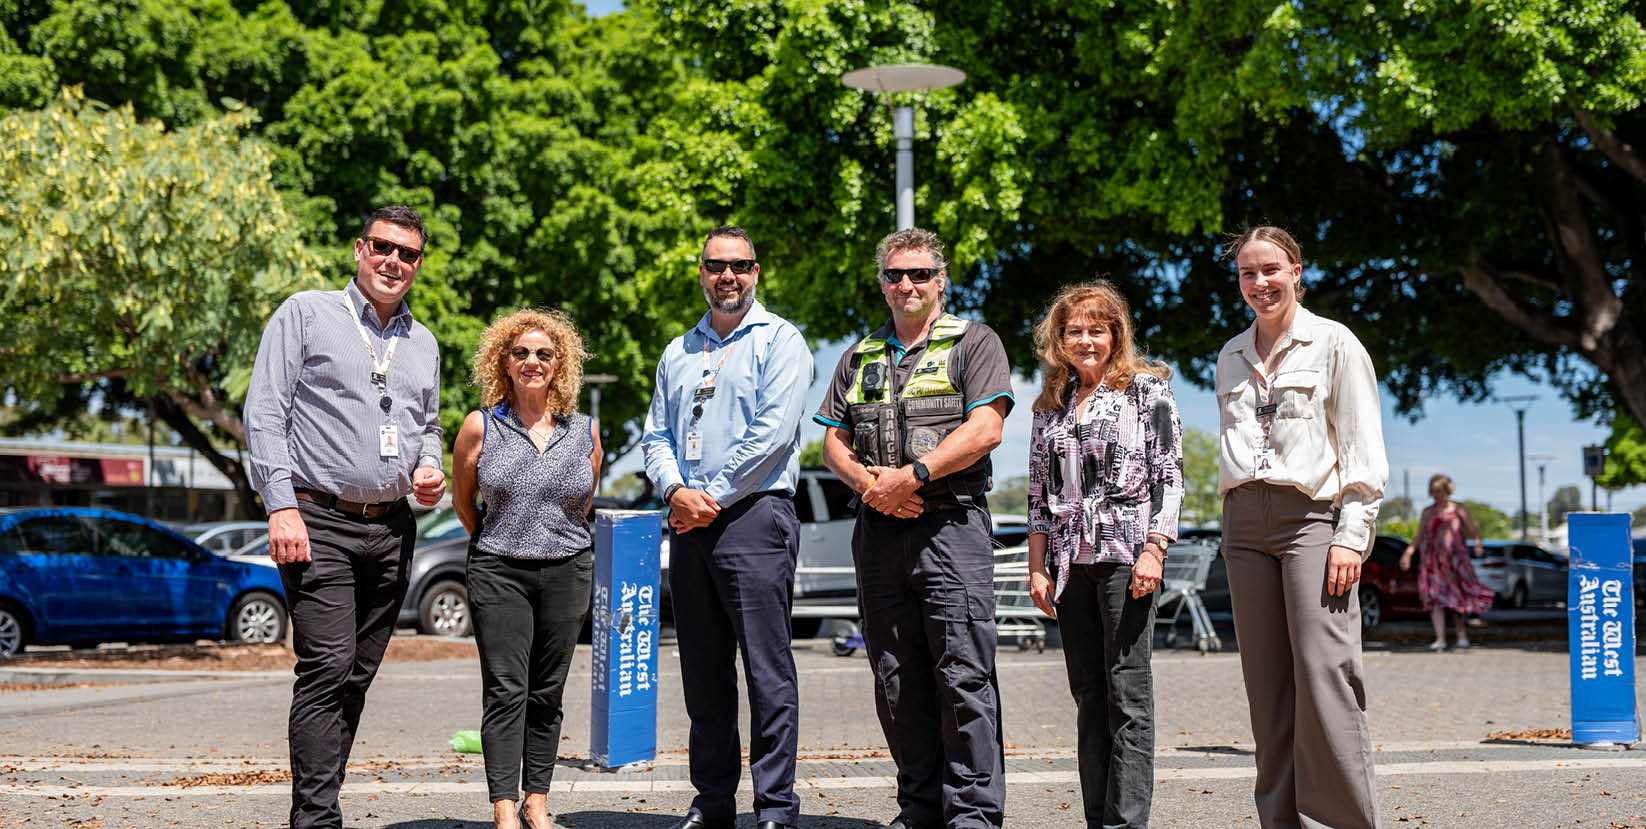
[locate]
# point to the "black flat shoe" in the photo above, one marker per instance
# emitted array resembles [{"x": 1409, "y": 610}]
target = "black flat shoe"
[
  {"x": 694, "y": 820},
  {"x": 772, "y": 824}
]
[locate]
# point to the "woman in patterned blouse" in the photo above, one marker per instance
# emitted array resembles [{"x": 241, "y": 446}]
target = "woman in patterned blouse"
[
  {"x": 533, "y": 459},
  {"x": 1105, "y": 489}
]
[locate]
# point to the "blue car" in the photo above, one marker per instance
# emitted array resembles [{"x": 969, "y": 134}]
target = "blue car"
[{"x": 82, "y": 576}]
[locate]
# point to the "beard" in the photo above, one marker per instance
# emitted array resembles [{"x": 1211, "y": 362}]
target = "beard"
[{"x": 731, "y": 305}]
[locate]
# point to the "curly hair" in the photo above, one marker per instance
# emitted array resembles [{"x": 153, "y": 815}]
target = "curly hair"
[
  {"x": 491, "y": 357},
  {"x": 1100, "y": 299}
]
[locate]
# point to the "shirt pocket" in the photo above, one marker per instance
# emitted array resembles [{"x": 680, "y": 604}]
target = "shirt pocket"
[
  {"x": 1231, "y": 402},
  {"x": 1295, "y": 393}
]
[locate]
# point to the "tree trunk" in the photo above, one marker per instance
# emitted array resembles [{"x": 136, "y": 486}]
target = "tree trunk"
[{"x": 174, "y": 416}]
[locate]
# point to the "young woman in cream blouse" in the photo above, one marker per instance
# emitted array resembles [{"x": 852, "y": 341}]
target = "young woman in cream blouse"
[{"x": 1301, "y": 470}]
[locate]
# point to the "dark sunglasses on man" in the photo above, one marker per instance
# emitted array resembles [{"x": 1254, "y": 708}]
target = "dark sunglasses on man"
[
  {"x": 384, "y": 247},
  {"x": 737, "y": 265},
  {"x": 916, "y": 275}
]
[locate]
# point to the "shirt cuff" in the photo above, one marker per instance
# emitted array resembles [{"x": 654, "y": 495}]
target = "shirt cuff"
[
  {"x": 278, "y": 494},
  {"x": 429, "y": 460},
  {"x": 1354, "y": 528}
]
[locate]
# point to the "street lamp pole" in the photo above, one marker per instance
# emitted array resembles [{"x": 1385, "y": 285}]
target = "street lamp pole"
[
  {"x": 1542, "y": 462},
  {"x": 907, "y": 77},
  {"x": 594, "y": 382},
  {"x": 1520, "y": 435}
]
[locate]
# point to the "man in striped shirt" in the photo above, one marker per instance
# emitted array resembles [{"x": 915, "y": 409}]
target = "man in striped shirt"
[{"x": 342, "y": 423}]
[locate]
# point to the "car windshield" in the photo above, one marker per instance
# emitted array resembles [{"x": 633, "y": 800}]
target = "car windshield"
[{"x": 440, "y": 523}]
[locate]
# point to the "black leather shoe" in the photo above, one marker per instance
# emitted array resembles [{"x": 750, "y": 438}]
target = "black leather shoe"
[
  {"x": 899, "y": 823},
  {"x": 694, "y": 820},
  {"x": 772, "y": 824}
]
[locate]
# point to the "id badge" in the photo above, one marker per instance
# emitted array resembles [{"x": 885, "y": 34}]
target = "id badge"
[
  {"x": 388, "y": 441},
  {"x": 1265, "y": 463},
  {"x": 702, "y": 393},
  {"x": 694, "y": 446}
]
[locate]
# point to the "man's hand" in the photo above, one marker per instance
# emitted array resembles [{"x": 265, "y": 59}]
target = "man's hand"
[
  {"x": 428, "y": 485},
  {"x": 1040, "y": 589},
  {"x": 691, "y": 509},
  {"x": 288, "y": 537},
  {"x": 1342, "y": 570},
  {"x": 1146, "y": 571},
  {"x": 893, "y": 491}
]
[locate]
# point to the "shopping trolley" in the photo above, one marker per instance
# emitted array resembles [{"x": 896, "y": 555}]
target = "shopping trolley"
[{"x": 1181, "y": 581}]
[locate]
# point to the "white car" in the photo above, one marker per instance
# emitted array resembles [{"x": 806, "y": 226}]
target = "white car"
[{"x": 225, "y": 537}]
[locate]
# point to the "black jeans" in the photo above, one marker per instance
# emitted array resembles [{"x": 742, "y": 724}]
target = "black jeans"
[
  {"x": 343, "y": 604},
  {"x": 1107, "y": 639},
  {"x": 527, "y": 614}
]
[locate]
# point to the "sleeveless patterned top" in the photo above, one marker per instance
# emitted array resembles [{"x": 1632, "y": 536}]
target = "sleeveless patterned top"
[{"x": 534, "y": 502}]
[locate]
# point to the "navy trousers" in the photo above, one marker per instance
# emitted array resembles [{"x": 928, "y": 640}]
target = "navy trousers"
[
  {"x": 925, "y": 589},
  {"x": 733, "y": 587}
]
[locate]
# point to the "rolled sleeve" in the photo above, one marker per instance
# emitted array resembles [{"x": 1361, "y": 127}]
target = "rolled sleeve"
[
  {"x": 1363, "y": 468},
  {"x": 1164, "y": 450},
  {"x": 268, "y": 406},
  {"x": 774, "y": 431}
]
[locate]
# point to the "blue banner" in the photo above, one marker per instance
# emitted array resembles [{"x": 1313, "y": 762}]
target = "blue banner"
[
  {"x": 625, "y": 630},
  {"x": 1600, "y": 608}
]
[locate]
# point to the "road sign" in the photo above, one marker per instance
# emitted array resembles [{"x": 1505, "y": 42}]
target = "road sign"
[{"x": 1594, "y": 461}]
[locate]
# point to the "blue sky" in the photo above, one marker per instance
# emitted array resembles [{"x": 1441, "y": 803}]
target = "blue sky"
[
  {"x": 1473, "y": 443},
  {"x": 601, "y": 7}
]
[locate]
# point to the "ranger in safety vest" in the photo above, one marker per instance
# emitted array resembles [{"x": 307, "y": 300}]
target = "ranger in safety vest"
[{"x": 912, "y": 413}]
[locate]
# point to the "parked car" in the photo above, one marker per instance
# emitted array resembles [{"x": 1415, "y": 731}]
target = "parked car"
[
  {"x": 1640, "y": 570},
  {"x": 1522, "y": 574},
  {"x": 224, "y": 537},
  {"x": 1387, "y": 591},
  {"x": 1010, "y": 530},
  {"x": 82, "y": 576}
]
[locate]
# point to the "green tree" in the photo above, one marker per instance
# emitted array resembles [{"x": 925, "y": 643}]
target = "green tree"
[
  {"x": 1625, "y": 453},
  {"x": 1492, "y": 522},
  {"x": 139, "y": 263},
  {"x": 812, "y": 453},
  {"x": 1010, "y": 496},
  {"x": 1200, "y": 501},
  {"x": 1566, "y": 499}
]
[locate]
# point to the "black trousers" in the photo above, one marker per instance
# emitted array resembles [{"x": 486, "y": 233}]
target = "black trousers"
[
  {"x": 733, "y": 587},
  {"x": 1107, "y": 640},
  {"x": 527, "y": 614},
  {"x": 925, "y": 589},
  {"x": 343, "y": 604}
]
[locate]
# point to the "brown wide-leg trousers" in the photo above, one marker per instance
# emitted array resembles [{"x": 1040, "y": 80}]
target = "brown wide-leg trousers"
[{"x": 1300, "y": 653}]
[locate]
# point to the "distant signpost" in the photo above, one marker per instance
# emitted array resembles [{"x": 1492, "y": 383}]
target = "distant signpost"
[{"x": 1594, "y": 465}]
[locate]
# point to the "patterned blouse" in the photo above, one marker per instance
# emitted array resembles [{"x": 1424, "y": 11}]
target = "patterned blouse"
[
  {"x": 535, "y": 501},
  {"x": 1101, "y": 480}
]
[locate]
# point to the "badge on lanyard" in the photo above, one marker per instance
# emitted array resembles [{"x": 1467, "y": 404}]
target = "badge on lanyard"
[
  {"x": 703, "y": 393},
  {"x": 694, "y": 446},
  {"x": 388, "y": 441}
]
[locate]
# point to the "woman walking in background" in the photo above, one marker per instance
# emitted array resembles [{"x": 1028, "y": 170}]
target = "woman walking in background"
[
  {"x": 1301, "y": 470},
  {"x": 533, "y": 459},
  {"x": 1445, "y": 579},
  {"x": 1105, "y": 489}
]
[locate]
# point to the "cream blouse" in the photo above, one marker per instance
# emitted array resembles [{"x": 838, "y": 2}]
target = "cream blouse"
[{"x": 1325, "y": 436}]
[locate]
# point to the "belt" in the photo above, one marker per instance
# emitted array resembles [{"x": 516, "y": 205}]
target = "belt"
[{"x": 330, "y": 501}]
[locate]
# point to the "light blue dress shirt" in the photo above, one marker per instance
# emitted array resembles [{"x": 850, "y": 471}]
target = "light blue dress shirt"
[{"x": 750, "y": 428}]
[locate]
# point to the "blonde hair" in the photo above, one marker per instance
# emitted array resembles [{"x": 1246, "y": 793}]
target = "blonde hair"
[
  {"x": 1443, "y": 481},
  {"x": 1099, "y": 298},
  {"x": 491, "y": 358}
]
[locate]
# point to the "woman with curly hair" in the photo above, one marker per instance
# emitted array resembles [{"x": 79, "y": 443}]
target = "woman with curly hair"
[
  {"x": 1105, "y": 490},
  {"x": 533, "y": 459}
]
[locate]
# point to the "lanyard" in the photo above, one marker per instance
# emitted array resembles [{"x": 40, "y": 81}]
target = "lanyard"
[
  {"x": 380, "y": 370},
  {"x": 1266, "y": 406},
  {"x": 712, "y": 374}
]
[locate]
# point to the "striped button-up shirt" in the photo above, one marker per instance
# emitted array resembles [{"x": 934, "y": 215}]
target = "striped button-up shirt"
[{"x": 313, "y": 417}]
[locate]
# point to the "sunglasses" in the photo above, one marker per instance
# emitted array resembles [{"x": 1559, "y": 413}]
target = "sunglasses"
[
  {"x": 384, "y": 247},
  {"x": 520, "y": 354},
  {"x": 916, "y": 275},
  {"x": 720, "y": 265}
]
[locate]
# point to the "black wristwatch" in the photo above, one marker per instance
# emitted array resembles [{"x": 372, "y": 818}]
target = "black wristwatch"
[
  {"x": 921, "y": 472},
  {"x": 669, "y": 493}
]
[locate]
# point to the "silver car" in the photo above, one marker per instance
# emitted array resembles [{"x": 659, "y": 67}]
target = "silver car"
[{"x": 1522, "y": 574}]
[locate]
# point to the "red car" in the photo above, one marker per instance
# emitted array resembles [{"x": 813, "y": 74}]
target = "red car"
[{"x": 1386, "y": 591}]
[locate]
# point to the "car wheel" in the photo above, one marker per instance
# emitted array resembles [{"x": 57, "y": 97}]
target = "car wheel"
[
  {"x": 258, "y": 618},
  {"x": 444, "y": 610},
  {"x": 1371, "y": 610},
  {"x": 14, "y": 631},
  {"x": 1517, "y": 599}
]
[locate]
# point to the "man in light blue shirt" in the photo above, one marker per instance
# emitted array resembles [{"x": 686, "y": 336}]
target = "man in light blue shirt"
[{"x": 722, "y": 445}]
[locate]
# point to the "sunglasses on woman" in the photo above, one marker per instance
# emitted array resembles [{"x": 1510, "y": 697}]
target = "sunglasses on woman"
[
  {"x": 916, "y": 275},
  {"x": 384, "y": 247},
  {"x": 520, "y": 353},
  {"x": 720, "y": 265}
]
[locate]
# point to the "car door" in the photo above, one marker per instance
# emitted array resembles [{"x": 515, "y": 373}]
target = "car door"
[
  {"x": 826, "y": 540},
  {"x": 169, "y": 584},
  {"x": 73, "y": 591},
  {"x": 1548, "y": 575}
]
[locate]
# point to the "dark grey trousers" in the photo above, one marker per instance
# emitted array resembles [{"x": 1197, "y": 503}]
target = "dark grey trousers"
[
  {"x": 343, "y": 604},
  {"x": 925, "y": 588},
  {"x": 527, "y": 615},
  {"x": 1107, "y": 639},
  {"x": 1300, "y": 654}
]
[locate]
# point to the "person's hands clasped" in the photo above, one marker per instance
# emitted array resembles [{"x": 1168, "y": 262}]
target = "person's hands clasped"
[
  {"x": 893, "y": 492},
  {"x": 1342, "y": 570},
  {"x": 1040, "y": 590},
  {"x": 691, "y": 509},
  {"x": 428, "y": 485},
  {"x": 1147, "y": 570},
  {"x": 288, "y": 537}
]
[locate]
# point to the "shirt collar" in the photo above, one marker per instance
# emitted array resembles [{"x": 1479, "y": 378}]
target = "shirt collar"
[
  {"x": 1303, "y": 328},
  {"x": 757, "y": 315},
  {"x": 363, "y": 310}
]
